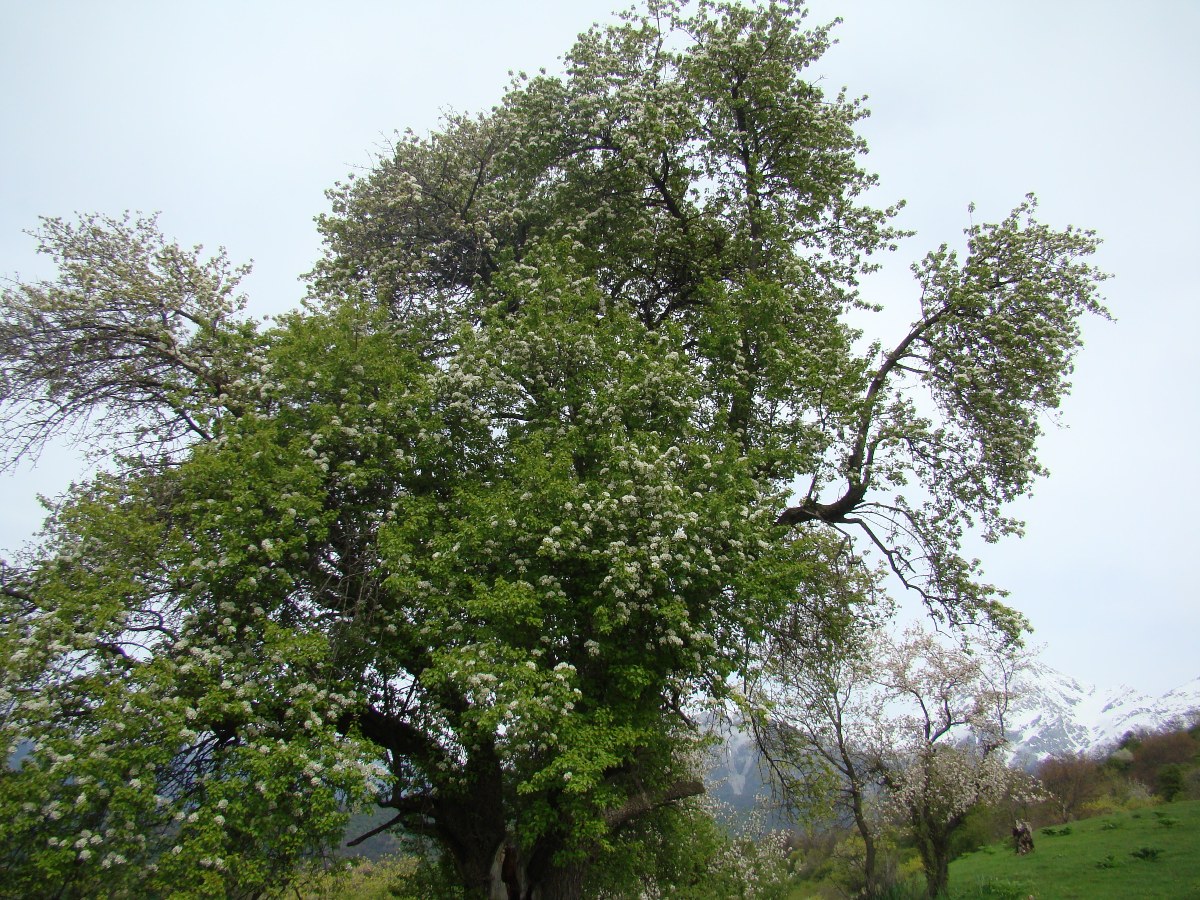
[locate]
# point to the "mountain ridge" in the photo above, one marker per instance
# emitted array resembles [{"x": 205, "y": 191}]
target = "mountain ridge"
[{"x": 1060, "y": 714}]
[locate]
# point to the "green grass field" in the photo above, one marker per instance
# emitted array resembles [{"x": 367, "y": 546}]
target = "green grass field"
[{"x": 1148, "y": 853}]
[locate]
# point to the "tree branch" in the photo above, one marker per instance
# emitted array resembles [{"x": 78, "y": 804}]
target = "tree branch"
[
  {"x": 379, "y": 829},
  {"x": 641, "y": 803}
]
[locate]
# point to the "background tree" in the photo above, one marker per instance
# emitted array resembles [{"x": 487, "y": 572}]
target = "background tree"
[
  {"x": 941, "y": 752},
  {"x": 913, "y": 725},
  {"x": 1071, "y": 781},
  {"x": 1154, "y": 751},
  {"x": 810, "y": 727},
  {"x": 477, "y": 528}
]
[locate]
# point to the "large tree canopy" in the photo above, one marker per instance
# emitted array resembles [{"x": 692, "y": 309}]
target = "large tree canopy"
[{"x": 573, "y": 415}]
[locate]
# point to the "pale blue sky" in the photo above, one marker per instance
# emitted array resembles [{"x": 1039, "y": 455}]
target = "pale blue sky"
[{"x": 233, "y": 117}]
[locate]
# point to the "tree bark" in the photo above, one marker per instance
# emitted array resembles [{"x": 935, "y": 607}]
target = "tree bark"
[
  {"x": 534, "y": 875},
  {"x": 933, "y": 843},
  {"x": 870, "y": 881},
  {"x": 560, "y": 884},
  {"x": 517, "y": 876}
]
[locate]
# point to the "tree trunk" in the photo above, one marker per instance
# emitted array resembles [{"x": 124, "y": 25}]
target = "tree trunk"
[
  {"x": 933, "y": 843},
  {"x": 475, "y": 862},
  {"x": 870, "y": 881},
  {"x": 937, "y": 877},
  {"x": 870, "y": 885},
  {"x": 560, "y": 884},
  {"x": 472, "y": 831},
  {"x": 514, "y": 876},
  {"x": 491, "y": 865}
]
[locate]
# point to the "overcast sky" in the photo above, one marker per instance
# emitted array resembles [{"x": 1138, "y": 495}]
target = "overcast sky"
[{"x": 232, "y": 118}]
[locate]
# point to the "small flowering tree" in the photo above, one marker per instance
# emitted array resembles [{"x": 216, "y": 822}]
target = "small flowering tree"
[
  {"x": 911, "y": 728},
  {"x": 941, "y": 710},
  {"x": 475, "y": 530}
]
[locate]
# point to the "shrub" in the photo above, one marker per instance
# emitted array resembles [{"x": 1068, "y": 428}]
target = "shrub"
[
  {"x": 1104, "y": 805},
  {"x": 1122, "y": 794},
  {"x": 845, "y": 865},
  {"x": 1191, "y": 785},
  {"x": 1120, "y": 760},
  {"x": 1137, "y": 796},
  {"x": 911, "y": 889},
  {"x": 977, "y": 830},
  {"x": 1170, "y": 781},
  {"x": 698, "y": 851},
  {"x": 1149, "y": 854},
  {"x": 386, "y": 878}
]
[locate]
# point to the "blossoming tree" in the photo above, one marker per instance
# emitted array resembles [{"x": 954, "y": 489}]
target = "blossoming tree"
[
  {"x": 907, "y": 728},
  {"x": 547, "y": 450},
  {"x": 941, "y": 746}
]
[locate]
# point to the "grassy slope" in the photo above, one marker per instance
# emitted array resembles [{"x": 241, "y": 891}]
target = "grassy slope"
[{"x": 1066, "y": 865}]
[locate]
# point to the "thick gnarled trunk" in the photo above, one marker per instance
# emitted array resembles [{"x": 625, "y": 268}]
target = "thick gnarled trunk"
[
  {"x": 534, "y": 874},
  {"x": 514, "y": 876}
]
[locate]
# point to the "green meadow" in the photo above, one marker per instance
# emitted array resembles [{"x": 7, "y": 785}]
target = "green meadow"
[{"x": 1146, "y": 853}]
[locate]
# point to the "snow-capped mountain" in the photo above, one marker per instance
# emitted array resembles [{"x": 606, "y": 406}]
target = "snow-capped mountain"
[{"x": 1062, "y": 715}]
